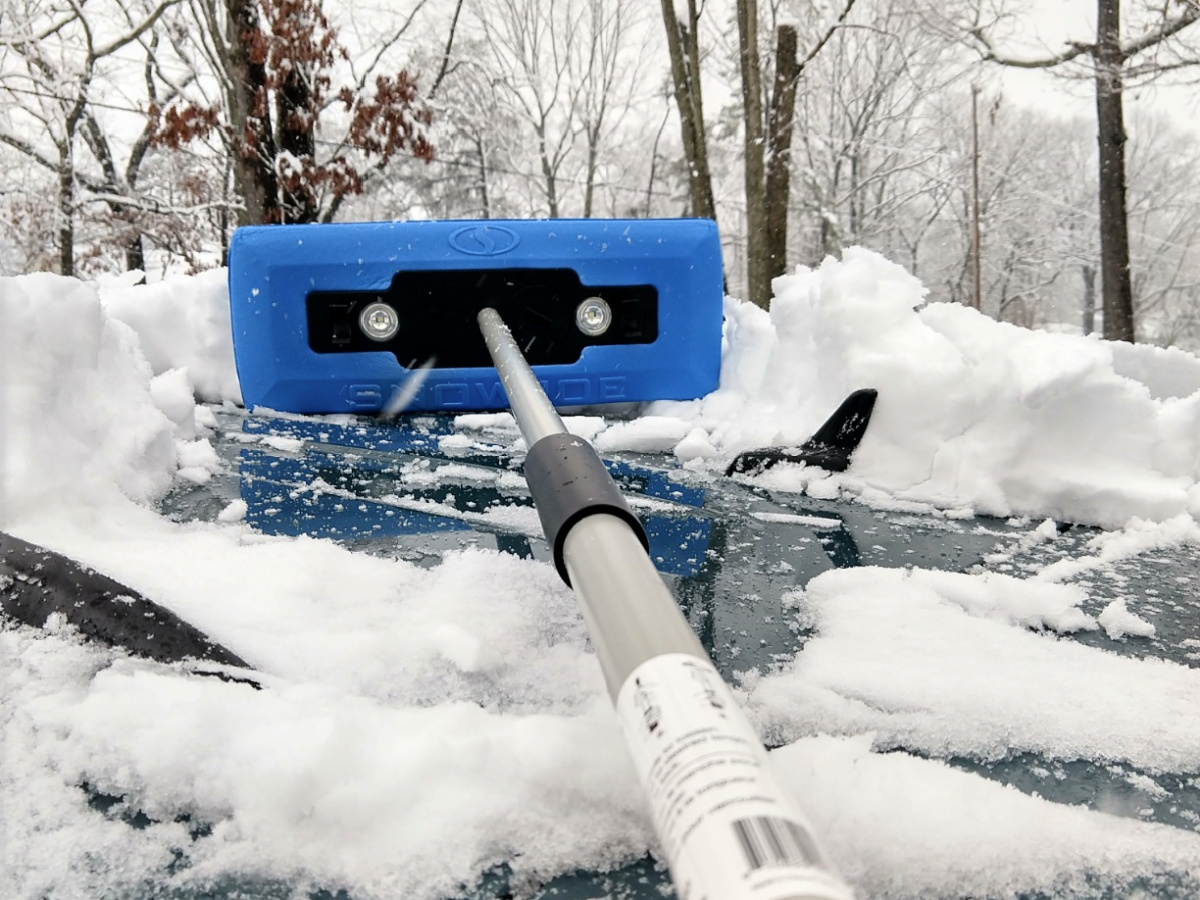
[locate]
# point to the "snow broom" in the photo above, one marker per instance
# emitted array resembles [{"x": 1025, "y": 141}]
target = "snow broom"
[{"x": 451, "y": 316}]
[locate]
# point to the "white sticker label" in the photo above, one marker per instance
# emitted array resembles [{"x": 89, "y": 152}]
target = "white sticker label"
[{"x": 727, "y": 827}]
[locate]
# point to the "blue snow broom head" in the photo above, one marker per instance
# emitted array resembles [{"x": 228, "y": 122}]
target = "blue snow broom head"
[{"x": 337, "y": 318}]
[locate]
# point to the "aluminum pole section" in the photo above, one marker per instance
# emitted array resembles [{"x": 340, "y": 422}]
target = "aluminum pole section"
[
  {"x": 535, "y": 414},
  {"x": 727, "y": 827},
  {"x": 631, "y": 615}
]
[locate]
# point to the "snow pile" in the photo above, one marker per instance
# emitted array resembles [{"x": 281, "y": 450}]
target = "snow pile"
[
  {"x": 183, "y": 322},
  {"x": 418, "y": 726},
  {"x": 414, "y": 730},
  {"x": 971, "y": 412},
  {"x": 900, "y": 826},
  {"x": 1119, "y": 622},
  {"x": 83, "y": 415},
  {"x": 1139, "y": 536},
  {"x": 931, "y": 661}
]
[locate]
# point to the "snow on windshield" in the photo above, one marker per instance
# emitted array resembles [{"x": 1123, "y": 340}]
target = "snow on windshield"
[{"x": 419, "y": 725}]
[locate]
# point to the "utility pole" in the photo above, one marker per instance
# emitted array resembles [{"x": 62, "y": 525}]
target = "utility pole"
[{"x": 976, "y": 252}]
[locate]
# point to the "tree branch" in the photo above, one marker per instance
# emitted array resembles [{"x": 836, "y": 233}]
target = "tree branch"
[
  {"x": 29, "y": 150},
  {"x": 1074, "y": 50},
  {"x": 1168, "y": 28},
  {"x": 841, "y": 19},
  {"x": 147, "y": 24},
  {"x": 385, "y": 46},
  {"x": 444, "y": 70}
]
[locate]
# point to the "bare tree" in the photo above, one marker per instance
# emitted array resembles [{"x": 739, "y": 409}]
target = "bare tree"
[
  {"x": 1164, "y": 230},
  {"x": 121, "y": 174},
  {"x": 768, "y": 122},
  {"x": 29, "y": 236},
  {"x": 683, "y": 43},
  {"x": 280, "y": 66},
  {"x": 758, "y": 287},
  {"x": 531, "y": 44},
  {"x": 480, "y": 149},
  {"x": 51, "y": 61},
  {"x": 609, "y": 67},
  {"x": 871, "y": 147},
  {"x": 1114, "y": 60},
  {"x": 1038, "y": 222},
  {"x": 570, "y": 71}
]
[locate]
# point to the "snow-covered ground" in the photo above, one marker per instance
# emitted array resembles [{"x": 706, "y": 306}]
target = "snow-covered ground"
[{"x": 422, "y": 724}]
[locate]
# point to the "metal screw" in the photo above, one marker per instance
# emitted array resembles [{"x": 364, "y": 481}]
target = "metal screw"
[
  {"x": 379, "y": 321},
  {"x": 593, "y": 316}
]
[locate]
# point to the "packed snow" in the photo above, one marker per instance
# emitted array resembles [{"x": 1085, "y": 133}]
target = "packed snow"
[
  {"x": 972, "y": 413},
  {"x": 418, "y": 726}
]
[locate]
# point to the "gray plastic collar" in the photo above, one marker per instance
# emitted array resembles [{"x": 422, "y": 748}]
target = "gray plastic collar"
[{"x": 569, "y": 482}]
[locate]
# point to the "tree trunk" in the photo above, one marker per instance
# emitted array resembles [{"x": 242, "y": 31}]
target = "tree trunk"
[
  {"x": 758, "y": 279},
  {"x": 976, "y": 234},
  {"x": 66, "y": 213},
  {"x": 1110, "y": 58},
  {"x": 683, "y": 42},
  {"x": 484, "y": 200},
  {"x": 227, "y": 184},
  {"x": 1115, "y": 281},
  {"x": 593, "y": 152},
  {"x": 654, "y": 165},
  {"x": 135, "y": 253},
  {"x": 779, "y": 147},
  {"x": 1089, "y": 298},
  {"x": 253, "y": 175},
  {"x": 551, "y": 188},
  {"x": 299, "y": 200}
]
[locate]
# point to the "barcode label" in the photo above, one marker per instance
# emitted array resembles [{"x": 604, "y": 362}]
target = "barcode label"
[
  {"x": 771, "y": 841},
  {"x": 728, "y": 829}
]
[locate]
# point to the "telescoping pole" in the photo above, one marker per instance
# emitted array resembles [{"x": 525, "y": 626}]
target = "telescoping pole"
[{"x": 727, "y": 828}]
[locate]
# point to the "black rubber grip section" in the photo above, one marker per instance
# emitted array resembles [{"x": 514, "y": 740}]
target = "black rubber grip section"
[{"x": 569, "y": 482}]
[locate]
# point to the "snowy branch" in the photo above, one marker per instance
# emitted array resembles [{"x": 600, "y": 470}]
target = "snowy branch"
[{"x": 129, "y": 37}]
